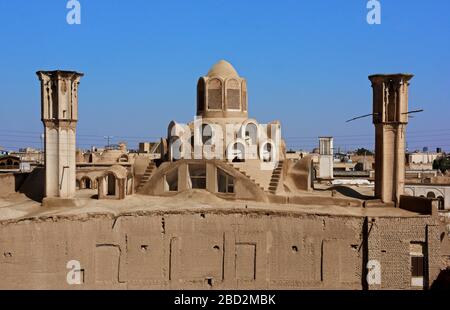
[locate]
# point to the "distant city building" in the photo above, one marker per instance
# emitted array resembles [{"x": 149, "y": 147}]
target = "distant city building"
[
  {"x": 421, "y": 160},
  {"x": 326, "y": 158},
  {"x": 9, "y": 162}
]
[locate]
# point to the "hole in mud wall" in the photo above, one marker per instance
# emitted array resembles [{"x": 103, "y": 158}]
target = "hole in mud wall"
[
  {"x": 7, "y": 254},
  {"x": 144, "y": 248},
  {"x": 202, "y": 215},
  {"x": 216, "y": 247},
  {"x": 294, "y": 249},
  {"x": 354, "y": 246},
  {"x": 209, "y": 281}
]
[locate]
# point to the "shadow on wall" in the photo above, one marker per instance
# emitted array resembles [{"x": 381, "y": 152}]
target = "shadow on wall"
[
  {"x": 19, "y": 179},
  {"x": 299, "y": 175},
  {"x": 443, "y": 280},
  {"x": 350, "y": 192},
  {"x": 33, "y": 186}
]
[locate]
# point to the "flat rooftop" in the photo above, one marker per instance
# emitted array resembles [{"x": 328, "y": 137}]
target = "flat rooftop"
[{"x": 17, "y": 207}]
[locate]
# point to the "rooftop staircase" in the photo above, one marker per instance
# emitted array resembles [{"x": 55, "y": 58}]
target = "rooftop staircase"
[
  {"x": 253, "y": 171},
  {"x": 147, "y": 175},
  {"x": 275, "y": 179}
]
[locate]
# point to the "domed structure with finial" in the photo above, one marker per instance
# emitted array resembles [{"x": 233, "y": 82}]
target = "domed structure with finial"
[
  {"x": 222, "y": 93},
  {"x": 221, "y": 128}
]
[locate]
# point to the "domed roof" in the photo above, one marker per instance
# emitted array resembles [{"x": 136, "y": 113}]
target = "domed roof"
[{"x": 222, "y": 69}]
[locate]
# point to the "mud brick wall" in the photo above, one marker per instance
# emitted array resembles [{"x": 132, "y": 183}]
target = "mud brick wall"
[
  {"x": 210, "y": 249},
  {"x": 389, "y": 242}
]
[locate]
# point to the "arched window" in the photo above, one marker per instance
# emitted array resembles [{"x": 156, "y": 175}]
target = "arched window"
[
  {"x": 431, "y": 195},
  {"x": 251, "y": 133},
  {"x": 215, "y": 94},
  {"x": 176, "y": 148},
  {"x": 206, "y": 134},
  {"x": 233, "y": 95},
  {"x": 267, "y": 152},
  {"x": 238, "y": 152},
  {"x": 201, "y": 95}
]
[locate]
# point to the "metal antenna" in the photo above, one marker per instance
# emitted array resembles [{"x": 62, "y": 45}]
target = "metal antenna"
[
  {"x": 362, "y": 116},
  {"x": 414, "y": 111},
  {"x": 358, "y": 117}
]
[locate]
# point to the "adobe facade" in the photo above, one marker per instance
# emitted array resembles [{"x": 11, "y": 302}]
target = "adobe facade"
[{"x": 209, "y": 246}]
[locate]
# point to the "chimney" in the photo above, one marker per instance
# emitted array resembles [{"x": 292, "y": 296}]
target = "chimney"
[{"x": 390, "y": 108}]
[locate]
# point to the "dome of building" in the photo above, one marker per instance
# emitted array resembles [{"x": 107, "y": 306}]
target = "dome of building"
[
  {"x": 222, "y": 93},
  {"x": 223, "y": 69}
]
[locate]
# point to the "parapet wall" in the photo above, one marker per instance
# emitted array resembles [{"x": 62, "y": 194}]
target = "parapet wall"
[
  {"x": 11, "y": 182},
  {"x": 203, "y": 249},
  {"x": 419, "y": 205},
  {"x": 186, "y": 250}
]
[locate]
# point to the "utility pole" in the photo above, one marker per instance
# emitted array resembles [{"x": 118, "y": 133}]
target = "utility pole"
[{"x": 108, "y": 138}]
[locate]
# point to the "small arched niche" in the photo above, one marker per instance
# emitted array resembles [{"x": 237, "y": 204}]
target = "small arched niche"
[
  {"x": 215, "y": 95},
  {"x": 233, "y": 95}
]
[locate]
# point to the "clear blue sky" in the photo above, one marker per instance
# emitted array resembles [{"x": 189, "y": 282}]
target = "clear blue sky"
[{"x": 306, "y": 63}]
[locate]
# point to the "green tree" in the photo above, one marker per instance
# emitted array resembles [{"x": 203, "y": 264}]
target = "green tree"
[
  {"x": 442, "y": 163},
  {"x": 363, "y": 151}
]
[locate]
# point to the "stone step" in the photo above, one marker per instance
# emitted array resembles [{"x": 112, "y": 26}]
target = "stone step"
[{"x": 147, "y": 175}]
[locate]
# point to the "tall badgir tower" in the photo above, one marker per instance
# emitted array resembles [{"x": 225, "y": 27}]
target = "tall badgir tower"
[
  {"x": 59, "y": 110},
  {"x": 390, "y": 117}
]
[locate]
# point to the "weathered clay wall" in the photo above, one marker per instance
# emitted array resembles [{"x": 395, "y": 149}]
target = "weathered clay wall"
[
  {"x": 389, "y": 241},
  {"x": 205, "y": 249},
  {"x": 7, "y": 184},
  {"x": 11, "y": 182},
  {"x": 419, "y": 205}
]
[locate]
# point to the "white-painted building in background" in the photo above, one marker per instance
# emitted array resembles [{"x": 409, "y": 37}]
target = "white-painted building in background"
[{"x": 326, "y": 161}]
